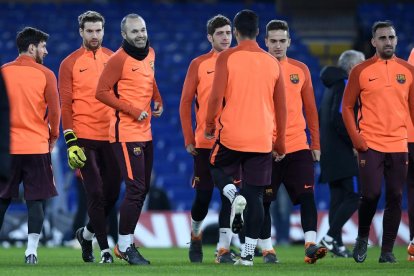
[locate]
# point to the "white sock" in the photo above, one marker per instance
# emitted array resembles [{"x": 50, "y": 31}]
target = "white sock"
[
  {"x": 104, "y": 251},
  {"x": 230, "y": 191},
  {"x": 196, "y": 227},
  {"x": 131, "y": 239},
  {"x": 328, "y": 238},
  {"x": 310, "y": 236},
  {"x": 265, "y": 244},
  {"x": 87, "y": 235},
  {"x": 124, "y": 241},
  {"x": 225, "y": 235},
  {"x": 32, "y": 244},
  {"x": 249, "y": 247},
  {"x": 342, "y": 248}
]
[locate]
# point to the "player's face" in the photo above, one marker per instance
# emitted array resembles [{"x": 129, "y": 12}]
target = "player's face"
[
  {"x": 92, "y": 35},
  {"x": 40, "y": 52},
  {"x": 277, "y": 43},
  {"x": 385, "y": 41},
  {"x": 135, "y": 32},
  {"x": 221, "y": 39}
]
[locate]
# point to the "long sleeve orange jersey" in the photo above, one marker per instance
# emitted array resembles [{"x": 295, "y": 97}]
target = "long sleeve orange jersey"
[
  {"x": 385, "y": 90},
  {"x": 410, "y": 127},
  {"x": 250, "y": 82},
  {"x": 197, "y": 86},
  {"x": 34, "y": 102},
  {"x": 133, "y": 84},
  {"x": 299, "y": 97},
  {"x": 81, "y": 111}
]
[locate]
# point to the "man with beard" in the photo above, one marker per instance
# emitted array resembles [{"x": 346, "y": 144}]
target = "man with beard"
[
  {"x": 85, "y": 123},
  {"x": 34, "y": 130},
  {"x": 197, "y": 88},
  {"x": 130, "y": 71},
  {"x": 384, "y": 87}
]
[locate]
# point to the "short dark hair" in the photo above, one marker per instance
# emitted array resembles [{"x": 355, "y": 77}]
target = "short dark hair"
[
  {"x": 130, "y": 16},
  {"x": 90, "y": 16},
  {"x": 29, "y": 36},
  {"x": 216, "y": 22},
  {"x": 275, "y": 25},
  {"x": 246, "y": 22},
  {"x": 382, "y": 24}
]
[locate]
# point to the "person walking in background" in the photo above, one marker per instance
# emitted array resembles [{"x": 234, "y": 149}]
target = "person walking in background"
[
  {"x": 249, "y": 83},
  {"x": 384, "y": 88},
  {"x": 300, "y": 156},
  {"x": 85, "y": 122},
  {"x": 197, "y": 88},
  {"x": 128, "y": 85},
  {"x": 339, "y": 166},
  {"x": 34, "y": 130}
]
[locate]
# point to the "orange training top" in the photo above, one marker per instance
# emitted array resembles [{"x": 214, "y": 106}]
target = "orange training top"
[
  {"x": 248, "y": 81},
  {"x": 81, "y": 111},
  {"x": 385, "y": 89},
  {"x": 410, "y": 127},
  {"x": 197, "y": 85},
  {"x": 134, "y": 86},
  {"x": 299, "y": 97},
  {"x": 34, "y": 102}
]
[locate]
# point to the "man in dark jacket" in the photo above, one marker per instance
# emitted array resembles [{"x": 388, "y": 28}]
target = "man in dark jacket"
[{"x": 338, "y": 160}]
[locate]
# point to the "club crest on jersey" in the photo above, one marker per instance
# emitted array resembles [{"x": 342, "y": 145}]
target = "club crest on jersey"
[
  {"x": 401, "y": 78},
  {"x": 362, "y": 163},
  {"x": 137, "y": 151},
  {"x": 151, "y": 63},
  {"x": 294, "y": 78}
]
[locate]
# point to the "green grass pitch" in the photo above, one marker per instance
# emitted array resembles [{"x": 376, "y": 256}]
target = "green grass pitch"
[{"x": 174, "y": 261}]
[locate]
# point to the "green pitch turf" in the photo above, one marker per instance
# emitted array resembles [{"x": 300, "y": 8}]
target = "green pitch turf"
[{"x": 65, "y": 261}]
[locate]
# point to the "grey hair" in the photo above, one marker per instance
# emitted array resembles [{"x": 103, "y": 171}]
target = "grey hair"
[
  {"x": 130, "y": 16},
  {"x": 348, "y": 59}
]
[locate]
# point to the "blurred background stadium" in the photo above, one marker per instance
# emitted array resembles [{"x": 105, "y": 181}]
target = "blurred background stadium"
[{"x": 320, "y": 31}]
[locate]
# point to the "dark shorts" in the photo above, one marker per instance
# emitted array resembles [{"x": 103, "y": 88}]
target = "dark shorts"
[
  {"x": 256, "y": 167},
  {"x": 374, "y": 166},
  {"x": 35, "y": 171},
  {"x": 203, "y": 179},
  {"x": 135, "y": 162},
  {"x": 296, "y": 172}
]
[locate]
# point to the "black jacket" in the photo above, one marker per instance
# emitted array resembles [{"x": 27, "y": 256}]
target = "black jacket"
[
  {"x": 337, "y": 158},
  {"x": 4, "y": 133}
]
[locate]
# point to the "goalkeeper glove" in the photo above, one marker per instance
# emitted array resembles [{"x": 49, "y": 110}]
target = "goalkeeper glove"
[{"x": 76, "y": 156}]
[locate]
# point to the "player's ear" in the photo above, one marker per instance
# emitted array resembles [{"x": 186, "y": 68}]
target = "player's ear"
[
  {"x": 210, "y": 38},
  {"x": 123, "y": 35}
]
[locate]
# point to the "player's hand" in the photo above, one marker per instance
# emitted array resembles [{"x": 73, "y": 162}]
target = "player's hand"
[
  {"x": 52, "y": 143},
  {"x": 76, "y": 156},
  {"x": 191, "y": 149},
  {"x": 143, "y": 115},
  {"x": 277, "y": 157},
  {"x": 209, "y": 133},
  {"x": 316, "y": 155},
  {"x": 360, "y": 144},
  {"x": 158, "y": 109}
]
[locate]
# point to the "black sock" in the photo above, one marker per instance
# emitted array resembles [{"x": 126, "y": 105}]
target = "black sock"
[
  {"x": 4, "y": 204},
  {"x": 36, "y": 215},
  {"x": 308, "y": 213},
  {"x": 201, "y": 201}
]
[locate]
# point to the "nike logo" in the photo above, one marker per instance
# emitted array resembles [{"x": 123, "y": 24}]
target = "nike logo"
[
  {"x": 209, "y": 72},
  {"x": 308, "y": 186},
  {"x": 134, "y": 69},
  {"x": 81, "y": 70},
  {"x": 372, "y": 79},
  {"x": 361, "y": 258}
]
